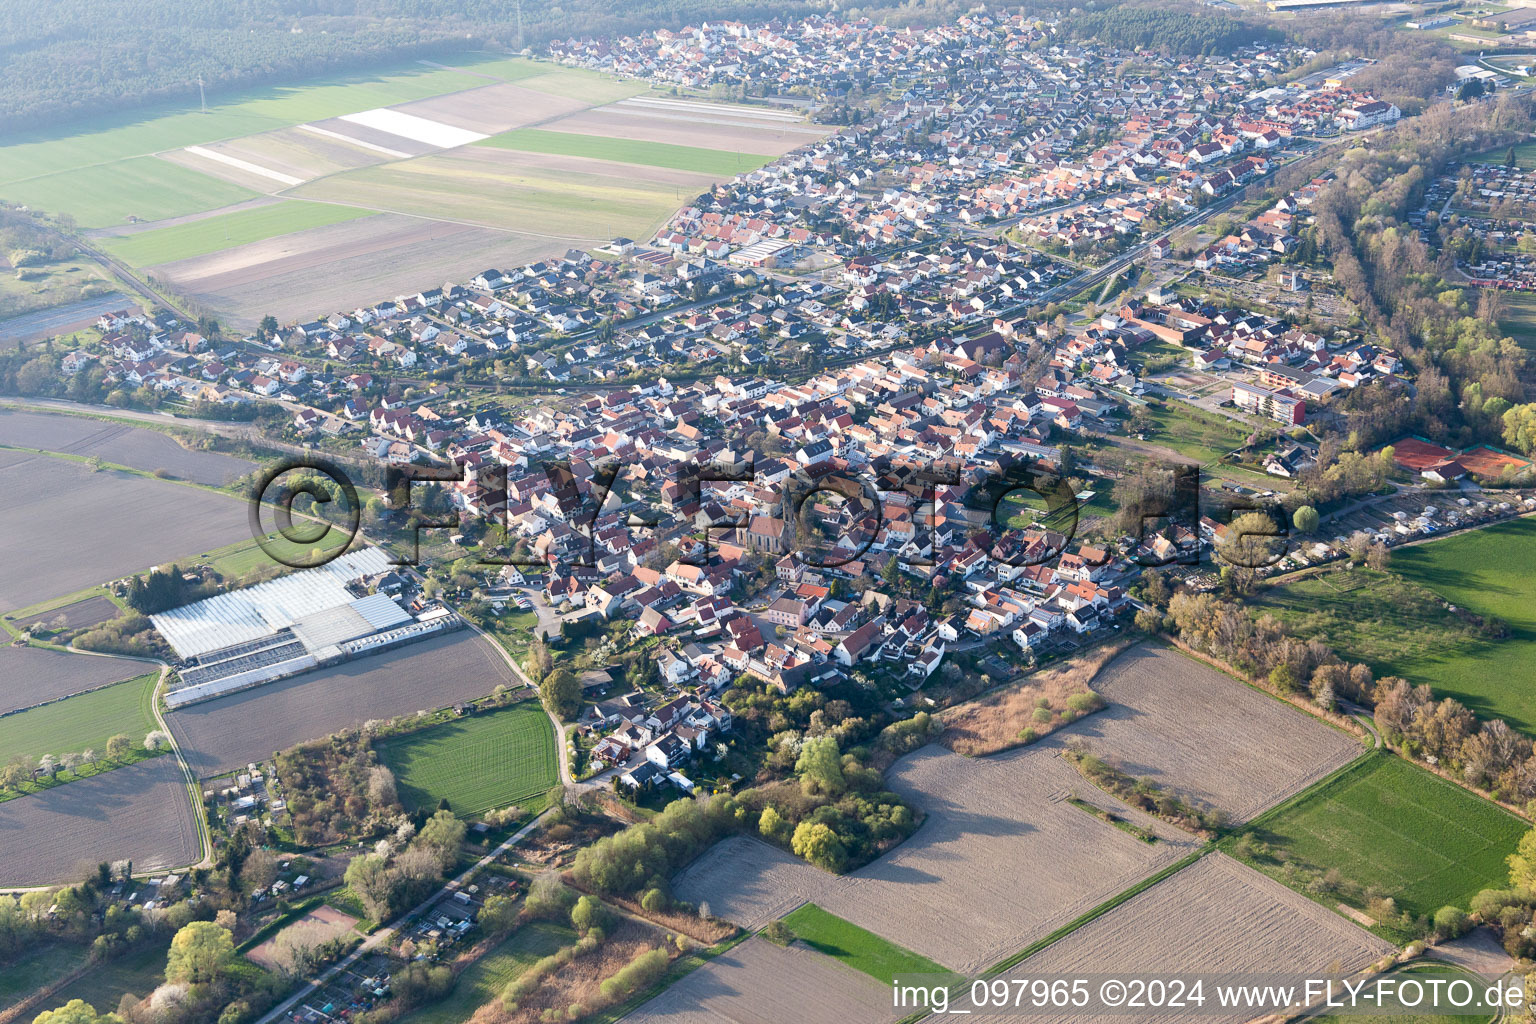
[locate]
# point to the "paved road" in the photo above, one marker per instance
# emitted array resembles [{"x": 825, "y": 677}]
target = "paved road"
[{"x": 60, "y": 318}]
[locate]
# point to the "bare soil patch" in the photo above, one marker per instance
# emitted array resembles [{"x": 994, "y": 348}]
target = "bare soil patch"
[
  {"x": 761, "y": 983},
  {"x": 224, "y": 734},
  {"x": 338, "y": 266},
  {"x": 493, "y": 108},
  {"x": 64, "y": 527},
  {"x": 749, "y": 882},
  {"x": 136, "y": 447},
  {"x": 141, "y": 812},
  {"x": 321, "y": 924},
  {"x": 352, "y": 130},
  {"x": 1206, "y": 737},
  {"x": 1215, "y": 916},
  {"x": 32, "y": 675},
  {"x": 995, "y": 721}
]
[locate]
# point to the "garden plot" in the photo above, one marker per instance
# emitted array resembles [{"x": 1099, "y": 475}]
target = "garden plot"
[
  {"x": 761, "y": 983},
  {"x": 315, "y": 928},
  {"x": 135, "y": 447},
  {"x": 64, "y": 526},
  {"x": 1213, "y": 917},
  {"x": 32, "y": 675},
  {"x": 220, "y": 735},
  {"x": 952, "y": 892},
  {"x": 140, "y": 813},
  {"x": 1204, "y": 735}
]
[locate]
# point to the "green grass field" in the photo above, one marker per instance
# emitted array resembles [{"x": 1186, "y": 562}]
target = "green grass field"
[
  {"x": 104, "y": 985},
  {"x": 1382, "y": 619},
  {"x": 102, "y": 194},
  {"x": 1386, "y": 823},
  {"x": 484, "y": 979},
  {"x": 489, "y": 760},
  {"x": 36, "y": 968},
  {"x": 1486, "y": 571},
  {"x": 1193, "y": 433},
  {"x": 721, "y": 163},
  {"x": 85, "y": 720},
  {"x": 211, "y": 234},
  {"x": 859, "y": 949},
  {"x": 1519, "y": 319}
]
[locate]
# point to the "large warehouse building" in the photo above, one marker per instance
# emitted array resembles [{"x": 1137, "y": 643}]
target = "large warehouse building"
[{"x": 289, "y": 625}]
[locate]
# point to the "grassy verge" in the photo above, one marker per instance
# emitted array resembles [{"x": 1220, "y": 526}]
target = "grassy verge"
[{"x": 1145, "y": 835}]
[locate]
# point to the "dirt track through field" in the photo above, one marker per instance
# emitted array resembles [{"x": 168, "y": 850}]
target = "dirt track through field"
[
  {"x": 1215, "y": 916},
  {"x": 761, "y": 983},
  {"x": 142, "y": 812}
]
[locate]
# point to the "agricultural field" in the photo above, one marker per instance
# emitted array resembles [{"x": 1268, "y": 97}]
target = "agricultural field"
[
  {"x": 1387, "y": 823},
  {"x": 1382, "y": 619},
  {"x": 221, "y": 735},
  {"x": 493, "y": 759},
  {"x": 119, "y": 443},
  {"x": 1423, "y": 971},
  {"x": 484, "y": 979},
  {"x": 940, "y": 892},
  {"x": 566, "y": 199},
  {"x": 104, "y": 171},
  {"x": 1213, "y": 917},
  {"x": 141, "y": 813},
  {"x": 748, "y": 882},
  {"x": 627, "y": 151},
  {"x": 86, "y": 720},
  {"x": 225, "y": 231},
  {"x": 747, "y": 985},
  {"x": 73, "y": 527},
  {"x": 863, "y": 951},
  {"x": 339, "y": 265},
  {"x": 1210, "y": 739},
  {"x": 31, "y": 675},
  {"x": 1486, "y": 572}
]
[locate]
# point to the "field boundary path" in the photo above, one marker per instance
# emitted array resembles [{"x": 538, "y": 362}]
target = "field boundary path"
[{"x": 383, "y": 935}]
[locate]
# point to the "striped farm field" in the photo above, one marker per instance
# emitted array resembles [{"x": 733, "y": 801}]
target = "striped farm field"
[
  {"x": 1388, "y": 824},
  {"x": 493, "y": 759},
  {"x": 86, "y": 720},
  {"x": 629, "y": 151},
  {"x": 224, "y": 231}
]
